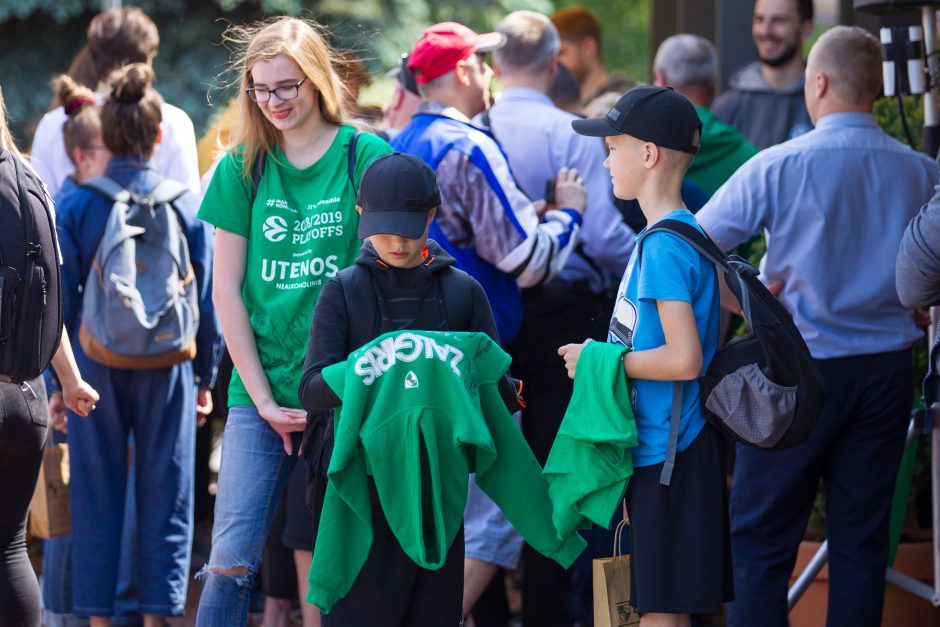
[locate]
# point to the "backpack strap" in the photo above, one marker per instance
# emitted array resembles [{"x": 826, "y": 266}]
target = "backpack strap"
[
  {"x": 351, "y": 161},
  {"x": 110, "y": 189},
  {"x": 706, "y": 247},
  {"x": 360, "y": 297},
  {"x": 261, "y": 159},
  {"x": 672, "y": 443},
  {"x": 731, "y": 265},
  {"x": 166, "y": 192},
  {"x": 456, "y": 294},
  {"x": 257, "y": 172}
]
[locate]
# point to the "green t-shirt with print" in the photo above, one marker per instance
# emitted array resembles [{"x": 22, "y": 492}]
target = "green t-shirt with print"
[{"x": 301, "y": 230}]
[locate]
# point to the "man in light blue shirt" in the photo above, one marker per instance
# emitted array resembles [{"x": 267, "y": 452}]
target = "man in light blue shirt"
[
  {"x": 538, "y": 141},
  {"x": 833, "y": 204}
]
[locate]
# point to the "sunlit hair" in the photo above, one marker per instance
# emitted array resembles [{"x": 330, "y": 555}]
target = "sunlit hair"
[
  {"x": 119, "y": 37},
  {"x": 302, "y": 41},
  {"x": 83, "y": 120},
  {"x": 6, "y": 138}
]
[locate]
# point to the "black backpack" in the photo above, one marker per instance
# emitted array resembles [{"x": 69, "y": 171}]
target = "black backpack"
[
  {"x": 762, "y": 389},
  {"x": 30, "y": 294}
]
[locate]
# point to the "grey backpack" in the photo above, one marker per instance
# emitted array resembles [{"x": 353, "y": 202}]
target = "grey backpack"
[{"x": 140, "y": 307}]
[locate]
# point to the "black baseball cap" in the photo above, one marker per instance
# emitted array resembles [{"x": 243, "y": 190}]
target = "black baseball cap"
[
  {"x": 660, "y": 115},
  {"x": 404, "y": 75},
  {"x": 396, "y": 193}
]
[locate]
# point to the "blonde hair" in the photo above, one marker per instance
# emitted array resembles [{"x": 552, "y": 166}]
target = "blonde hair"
[
  {"x": 6, "y": 138},
  {"x": 304, "y": 42}
]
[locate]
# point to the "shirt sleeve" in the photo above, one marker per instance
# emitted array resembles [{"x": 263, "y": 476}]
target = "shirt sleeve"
[
  {"x": 740, "y": 209},
  {"x": 369, "y": 147},
  {"x": 47, "y": 144},
  {"x": 227, "y": 203},
  {"x": 71, "y": 275},
  {"x": 484, "y": 208},
  {"x": 179, "y": 158},
  {"x": 327, "y": 346},
  {"x": 918, "y": 263},
  {"x": 669, "y": 269}
]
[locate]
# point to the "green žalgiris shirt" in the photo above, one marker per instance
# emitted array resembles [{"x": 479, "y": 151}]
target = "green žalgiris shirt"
[
  {"x": 301, "y": 231},
  {"x": 592, "y": 458},
  {"x": 420, "y": 412}
]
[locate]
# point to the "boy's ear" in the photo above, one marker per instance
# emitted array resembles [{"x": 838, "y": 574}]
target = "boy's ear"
[
  {"x": 431, "y": 214},
  {"x": 651, "y": 155}
]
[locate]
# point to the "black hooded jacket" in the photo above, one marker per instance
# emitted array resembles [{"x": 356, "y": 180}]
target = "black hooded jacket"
[{"x": 400, "y": 298}]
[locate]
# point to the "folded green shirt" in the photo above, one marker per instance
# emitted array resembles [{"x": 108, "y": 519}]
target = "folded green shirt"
[{"x": 591, "y": 459}]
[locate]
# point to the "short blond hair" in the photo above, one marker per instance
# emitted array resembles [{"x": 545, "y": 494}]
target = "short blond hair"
[{"x": 851, "y": 59}]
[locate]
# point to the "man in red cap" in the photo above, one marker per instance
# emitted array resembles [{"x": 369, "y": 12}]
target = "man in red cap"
[{"x": 486, "y": 223}]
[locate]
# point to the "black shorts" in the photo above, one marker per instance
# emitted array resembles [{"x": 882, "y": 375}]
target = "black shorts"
[
  {"x": 298, "y": 526},
  {"x": 679, "y": 534}
]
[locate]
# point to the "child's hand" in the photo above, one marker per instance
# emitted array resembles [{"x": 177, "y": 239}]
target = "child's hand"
[{"x": 571, "y": 353}]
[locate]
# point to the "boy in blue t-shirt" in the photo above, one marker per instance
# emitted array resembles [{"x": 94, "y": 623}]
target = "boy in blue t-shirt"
[{"x": 667, "y": 313}]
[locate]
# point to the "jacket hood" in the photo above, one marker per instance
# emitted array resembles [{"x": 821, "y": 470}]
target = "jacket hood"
[
  {"x": 749, "y": 78},
  {"x": 436, "y": 260}
]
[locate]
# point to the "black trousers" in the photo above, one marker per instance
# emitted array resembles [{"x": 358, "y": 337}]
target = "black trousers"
[
  {"x": 24, "y": 422},
  {"x": 553, "y": 315},
  {"x": 856, "y": 449},
  {"x": 393, "y": 591}
]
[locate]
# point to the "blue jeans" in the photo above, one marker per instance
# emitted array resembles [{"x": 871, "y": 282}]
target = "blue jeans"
[
  {"x": 158, "y": 406},
  {"x": 254, "y": 471},
  {"x": 57, "y": 569},
  {"x": 856, "y": 449}
]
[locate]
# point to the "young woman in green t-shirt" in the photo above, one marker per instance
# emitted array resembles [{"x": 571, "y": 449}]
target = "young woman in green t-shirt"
[{"x": 276, "y": 244}]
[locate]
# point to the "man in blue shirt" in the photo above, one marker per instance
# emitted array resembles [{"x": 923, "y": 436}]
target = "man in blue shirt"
[
  {"x": 538, "y": 140},
  {"x": 834, "y": 204}
]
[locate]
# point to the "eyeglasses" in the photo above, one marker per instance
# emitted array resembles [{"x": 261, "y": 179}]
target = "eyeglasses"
[{"x": 284, "y": 92}]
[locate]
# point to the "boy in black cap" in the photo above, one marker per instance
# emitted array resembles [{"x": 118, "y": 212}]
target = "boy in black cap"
[
  {"x": 667, "y": 313},
  {"x": 402, "y": 280}
]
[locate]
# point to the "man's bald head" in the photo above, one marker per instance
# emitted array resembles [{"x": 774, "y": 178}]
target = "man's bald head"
[{"x": 850, "y": 59}]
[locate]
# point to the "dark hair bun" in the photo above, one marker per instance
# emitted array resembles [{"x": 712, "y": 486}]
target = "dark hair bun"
[{"x": 130, "y": 83}]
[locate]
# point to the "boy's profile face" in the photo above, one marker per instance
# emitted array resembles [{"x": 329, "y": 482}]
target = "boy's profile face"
[
  {"x": 626, "y": 162},
  {"x": 401, "y": 252}
]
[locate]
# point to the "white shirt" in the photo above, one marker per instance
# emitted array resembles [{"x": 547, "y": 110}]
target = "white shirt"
[{"x": 175, "y": 156}]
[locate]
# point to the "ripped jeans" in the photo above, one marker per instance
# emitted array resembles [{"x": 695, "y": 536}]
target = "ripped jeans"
[{"x": 253, "y": 473}]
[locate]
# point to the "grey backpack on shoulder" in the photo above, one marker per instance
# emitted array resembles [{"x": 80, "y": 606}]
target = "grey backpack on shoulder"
[{"x": 140, "y": 307}]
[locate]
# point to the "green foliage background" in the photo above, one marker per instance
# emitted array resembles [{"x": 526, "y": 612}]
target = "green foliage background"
[{"x": 39, "y": 38}]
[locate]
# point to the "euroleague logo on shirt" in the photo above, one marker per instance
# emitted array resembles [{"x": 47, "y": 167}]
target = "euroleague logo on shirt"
[
  {"x": 406, "y": 347},
  {"x": 275, "y": 228}
]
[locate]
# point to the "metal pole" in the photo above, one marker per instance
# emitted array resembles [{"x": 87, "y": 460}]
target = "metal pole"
[
  {"x": 808, "y": 575},
  {"x": 108, "y": 5},
  {"x": 931, "y": 121},
  {"x": 935, "y": 474}
]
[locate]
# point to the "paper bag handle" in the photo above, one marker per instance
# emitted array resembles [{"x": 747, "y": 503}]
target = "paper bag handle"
[{"x": 618, "y": 533}]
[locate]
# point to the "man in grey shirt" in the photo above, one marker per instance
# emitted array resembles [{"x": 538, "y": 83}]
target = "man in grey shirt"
[{"x": 765, "y": 101}]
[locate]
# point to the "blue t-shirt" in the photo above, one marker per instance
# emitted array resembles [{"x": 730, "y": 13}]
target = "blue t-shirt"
[{"x": 669, "y": 270}]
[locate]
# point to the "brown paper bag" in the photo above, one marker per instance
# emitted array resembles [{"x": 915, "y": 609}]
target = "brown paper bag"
[
  {"x": 612, "y": 586},
  {"x": 50, "y": 509}
]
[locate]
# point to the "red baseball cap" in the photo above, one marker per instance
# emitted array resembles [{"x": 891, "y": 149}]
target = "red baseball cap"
[{"x": 442, "y": 46}]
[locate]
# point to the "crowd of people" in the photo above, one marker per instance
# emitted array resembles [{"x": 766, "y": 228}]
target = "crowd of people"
[{"x": 414, "y": 306}]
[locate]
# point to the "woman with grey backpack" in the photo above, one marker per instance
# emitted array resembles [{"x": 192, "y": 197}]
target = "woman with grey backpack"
[{"x": 136, "y": 291}]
